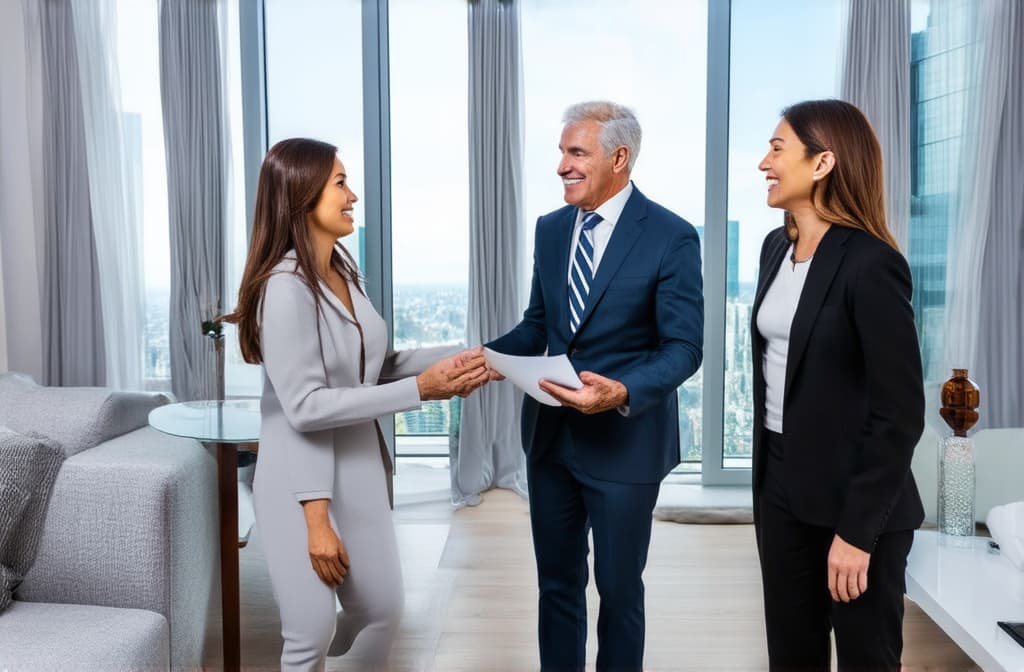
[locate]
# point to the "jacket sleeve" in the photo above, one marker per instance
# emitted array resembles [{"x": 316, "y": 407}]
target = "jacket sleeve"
[
  {"x": 294, "y": 364},
  {"x": 403, "y": 363},
  {"x": 679, "y": 311},
  {"x": 884, "y": 320}
]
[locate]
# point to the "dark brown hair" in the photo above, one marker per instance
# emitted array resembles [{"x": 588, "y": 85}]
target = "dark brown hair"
[
  {"x": 853, "y": 193},
  {"x": 291, "y": 180}
]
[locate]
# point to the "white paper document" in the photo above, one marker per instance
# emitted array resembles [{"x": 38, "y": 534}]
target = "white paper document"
[{"x": 525, "y": 372}]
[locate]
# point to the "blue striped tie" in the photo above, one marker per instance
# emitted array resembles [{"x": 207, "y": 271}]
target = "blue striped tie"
[{"x": 582, "y": 272}]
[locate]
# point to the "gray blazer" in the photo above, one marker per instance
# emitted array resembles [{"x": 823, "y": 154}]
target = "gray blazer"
[{"x": 314, "y": 405}]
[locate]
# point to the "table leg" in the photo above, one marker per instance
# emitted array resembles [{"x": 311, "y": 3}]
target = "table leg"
[{"x": 227, "y": 487}]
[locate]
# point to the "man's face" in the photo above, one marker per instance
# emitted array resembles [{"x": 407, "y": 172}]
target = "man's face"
[{"x": 589, "y": 177}]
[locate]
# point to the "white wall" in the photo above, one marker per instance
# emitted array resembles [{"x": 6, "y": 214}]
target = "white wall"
[{"x": 21, "y": 211}]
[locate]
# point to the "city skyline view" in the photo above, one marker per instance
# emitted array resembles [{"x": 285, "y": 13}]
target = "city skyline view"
[{"x": 429, "y": 149}]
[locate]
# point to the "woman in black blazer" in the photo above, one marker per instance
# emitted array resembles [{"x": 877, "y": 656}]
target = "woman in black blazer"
[{"x": 838, "y": 399}]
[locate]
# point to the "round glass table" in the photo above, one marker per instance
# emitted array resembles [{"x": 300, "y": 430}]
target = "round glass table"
[
  {"x": 234, "y": 421},
  {"x": 228, "y": 426}
]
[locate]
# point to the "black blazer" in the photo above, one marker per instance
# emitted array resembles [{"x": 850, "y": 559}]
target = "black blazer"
[{"x": 853, "y": 406}]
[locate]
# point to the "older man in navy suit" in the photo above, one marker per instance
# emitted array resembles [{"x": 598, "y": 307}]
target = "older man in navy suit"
[{"x": 616, "y": 287}]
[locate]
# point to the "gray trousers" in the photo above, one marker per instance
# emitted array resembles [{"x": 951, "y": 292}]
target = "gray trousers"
[{"x": 372, "y": 594}]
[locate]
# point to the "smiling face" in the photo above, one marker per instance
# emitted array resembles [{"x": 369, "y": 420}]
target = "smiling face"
[
  {"x": 332, "y": 215},
  {"x": 589, "y": 177},
  {"x": 789, "y": 172}
]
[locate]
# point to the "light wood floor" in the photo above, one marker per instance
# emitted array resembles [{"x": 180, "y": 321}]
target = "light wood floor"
[{"x": 471, "y": 599}]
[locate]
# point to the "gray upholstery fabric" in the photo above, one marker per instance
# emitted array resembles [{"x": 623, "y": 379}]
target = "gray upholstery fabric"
[
  {"x": 77, "y": 418},
  {"x": 28, "y": 469},
  {"x": 133, "y": 523},
  {"x": 50, "y": 637}
]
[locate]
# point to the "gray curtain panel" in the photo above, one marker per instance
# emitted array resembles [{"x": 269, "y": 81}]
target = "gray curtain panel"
[
  {"x": 876, "y": 78},
  {"x": 489, "y": 453},
  {"x": 73, "y": 349},
  {"x": 191, "y": 91},
  {"x": 1000, "y": 353}
]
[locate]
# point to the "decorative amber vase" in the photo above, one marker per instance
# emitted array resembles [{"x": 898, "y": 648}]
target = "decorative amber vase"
[{"x": 960, "y": 399}]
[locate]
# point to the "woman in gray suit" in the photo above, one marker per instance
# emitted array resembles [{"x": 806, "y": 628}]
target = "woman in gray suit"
[{"x": 321, "y": 483}]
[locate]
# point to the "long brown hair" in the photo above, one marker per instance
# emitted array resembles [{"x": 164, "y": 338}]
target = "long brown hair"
[
  {"x": 853, "y": 193},
  {"x": 292, "y": 178}
]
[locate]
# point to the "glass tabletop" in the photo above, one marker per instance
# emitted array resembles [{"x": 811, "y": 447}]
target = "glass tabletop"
[{"x": 231, "y": 421}]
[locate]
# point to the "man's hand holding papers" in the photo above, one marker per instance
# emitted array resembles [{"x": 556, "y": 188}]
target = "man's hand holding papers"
[{"x": 553, "y": 381}]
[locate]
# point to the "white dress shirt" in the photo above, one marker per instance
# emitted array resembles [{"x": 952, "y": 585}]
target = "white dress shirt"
[{"x": 610, "y": 212}]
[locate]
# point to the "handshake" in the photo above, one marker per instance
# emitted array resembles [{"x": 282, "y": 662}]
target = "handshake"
[
  {"x": 457, "y": 375},
  {"x": 462, "y": 373}
]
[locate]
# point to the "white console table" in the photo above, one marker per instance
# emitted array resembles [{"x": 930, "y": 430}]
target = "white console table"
[{"x": 965, "y": 589}]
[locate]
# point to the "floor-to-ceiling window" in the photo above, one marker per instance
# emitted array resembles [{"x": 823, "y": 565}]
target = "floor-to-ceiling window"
[
  {"x": 942, "y": 31},
  {"x": 429, "y": 196},
  {"x": 314, "y": 82},
  {"x": 314, "y": 89},
  {"x": 142, "y": 122},
  {"x": 780, "y": 53},
  {"x": 240, "y": 379},
  {"x": 649, "y": 55}
]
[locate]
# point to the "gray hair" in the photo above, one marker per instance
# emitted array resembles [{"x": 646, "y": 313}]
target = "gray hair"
[{"x": 618, "y": 125}]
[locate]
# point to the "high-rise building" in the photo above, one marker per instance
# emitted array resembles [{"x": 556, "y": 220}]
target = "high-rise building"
[
  {"x": 732, "y": 261},
  {"x": 938, "y": 74}
]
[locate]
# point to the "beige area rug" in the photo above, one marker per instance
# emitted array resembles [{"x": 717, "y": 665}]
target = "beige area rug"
[{"x": 704, "y": 505}]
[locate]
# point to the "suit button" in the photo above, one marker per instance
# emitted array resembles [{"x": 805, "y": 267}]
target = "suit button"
[{"x": 574, "y": 352}]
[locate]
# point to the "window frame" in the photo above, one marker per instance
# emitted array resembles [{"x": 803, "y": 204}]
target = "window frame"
[{"x": 377, "y": 192}]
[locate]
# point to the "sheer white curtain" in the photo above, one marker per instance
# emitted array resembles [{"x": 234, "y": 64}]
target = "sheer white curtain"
[
  {"x": 984, "y": 281},
  {"x": 240, "y": 379},
  {"x": 113, "y": 197}
]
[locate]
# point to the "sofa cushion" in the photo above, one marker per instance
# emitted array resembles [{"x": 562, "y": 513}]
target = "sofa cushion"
[
  {"x": 28, "y": 469},
  {"x": 132, "y": 524},
  {"x": 77, "y": 418},
  {"x": 40, "y": 636}
]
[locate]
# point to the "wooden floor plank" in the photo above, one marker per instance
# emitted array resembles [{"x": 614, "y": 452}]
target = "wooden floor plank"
[{"x": 471, "y": 599}]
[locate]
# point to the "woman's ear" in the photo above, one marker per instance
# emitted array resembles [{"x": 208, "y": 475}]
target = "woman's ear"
[{"x": 826, "y": 162}]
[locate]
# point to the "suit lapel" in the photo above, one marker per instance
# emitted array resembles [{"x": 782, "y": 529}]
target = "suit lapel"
[
  {"x": 823, "y": 269},
  {"x": 771, "y": 268},
  {"x": 624, "y": 236}
]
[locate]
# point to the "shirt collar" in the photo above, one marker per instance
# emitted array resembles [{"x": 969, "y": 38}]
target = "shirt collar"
[{"x": 611, "y": 209}]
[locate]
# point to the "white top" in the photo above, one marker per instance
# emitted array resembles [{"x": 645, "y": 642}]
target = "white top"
[
  {"x": 774, "y": 321},
  {"x": 610, "y": 211}
]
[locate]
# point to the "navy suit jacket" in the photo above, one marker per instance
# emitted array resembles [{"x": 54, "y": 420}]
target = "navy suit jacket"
[
  {"x": 643, "y": 325},
  {"x": 853, "y": 406}
]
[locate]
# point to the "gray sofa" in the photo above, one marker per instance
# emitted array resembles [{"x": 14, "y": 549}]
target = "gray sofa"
[{"x": 126, "y": 565}]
